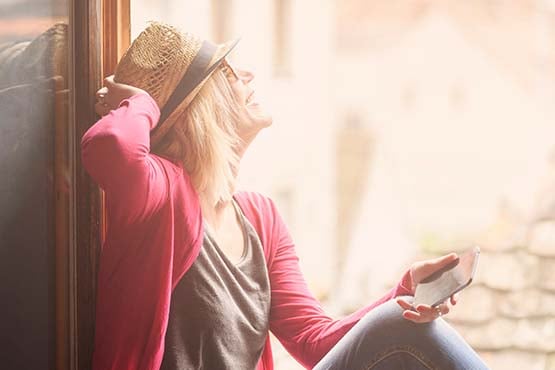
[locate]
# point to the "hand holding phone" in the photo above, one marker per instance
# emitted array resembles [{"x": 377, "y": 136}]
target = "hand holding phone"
[
  {"x": 442, "y": 284},
  {"x": 434, "y": 282}
]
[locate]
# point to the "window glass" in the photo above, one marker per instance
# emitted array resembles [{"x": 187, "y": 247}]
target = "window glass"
[{"x": 35, "y": 180}]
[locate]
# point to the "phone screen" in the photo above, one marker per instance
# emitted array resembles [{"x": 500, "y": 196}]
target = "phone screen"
[{"x": 439, "y": 286}]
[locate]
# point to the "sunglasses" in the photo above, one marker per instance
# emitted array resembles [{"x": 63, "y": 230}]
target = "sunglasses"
[{"x": 228, "y": 69}]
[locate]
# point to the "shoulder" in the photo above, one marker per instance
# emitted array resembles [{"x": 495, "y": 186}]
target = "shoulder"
[
  {"x": 262, "y": 213},
  {"x": 173, "y": 170},
  {"x": 179, "y": 183},
  {"x": 255, "y": 202},
  {"x": 172, "y": 167}
]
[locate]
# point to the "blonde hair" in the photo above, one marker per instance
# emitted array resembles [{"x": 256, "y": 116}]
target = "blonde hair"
[{"x": 204, "y": 140}]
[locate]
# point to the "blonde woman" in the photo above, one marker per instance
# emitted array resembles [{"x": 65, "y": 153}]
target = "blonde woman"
[{"x": 194, "y": 274}]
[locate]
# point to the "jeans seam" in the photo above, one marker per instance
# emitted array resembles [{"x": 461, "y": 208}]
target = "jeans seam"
[{"x": 404, "y": 349}]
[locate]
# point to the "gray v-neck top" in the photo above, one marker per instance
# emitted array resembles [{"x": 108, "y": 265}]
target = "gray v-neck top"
[{"x": 219, "y": 310}]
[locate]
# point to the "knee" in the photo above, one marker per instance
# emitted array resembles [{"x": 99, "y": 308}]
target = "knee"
[
  {"x": 385, "y": 330},
  {"x": 385, "y": 316},
  {"x": 387, "y": 321}
]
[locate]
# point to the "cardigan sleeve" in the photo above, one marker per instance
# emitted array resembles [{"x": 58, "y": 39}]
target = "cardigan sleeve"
[
  {"x": 115, "y": 152},
  {"x": 296, "y": 317}
]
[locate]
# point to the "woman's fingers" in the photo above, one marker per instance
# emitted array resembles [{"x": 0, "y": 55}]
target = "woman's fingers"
[
  {"x": 423, "y": 269},
  {"x": 415, "y": 317},
  {"x": 102, "y": 92},
  {"x": 439, "y": 310},
  {"x": 436, "y": 264},
  {"x": 404, "y": 304},
  {"x": 442, "y": 260},
  {"x": 109, "y": 80},
  {"x": 102, "y": 107},
  {"x": 448, "y": 258},
  {"x": 409, "y": 312},
  {"x": 422, "y": 313},
  {"x": 426, "y": 310},
  {"x": 444, "y": 309},
  {"x": 433, "y": 312},
  {"x": 420, "y": 317},
  {"x": 117, "y": 92}
]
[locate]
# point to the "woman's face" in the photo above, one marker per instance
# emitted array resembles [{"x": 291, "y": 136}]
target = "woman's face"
[{"x": 252, "y": 116}]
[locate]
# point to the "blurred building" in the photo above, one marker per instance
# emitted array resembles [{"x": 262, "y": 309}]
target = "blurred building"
[
  {"x": 458, "y": 133},
  {"x": 508, "y": 313},
  {"x": 459, "y": 97}
]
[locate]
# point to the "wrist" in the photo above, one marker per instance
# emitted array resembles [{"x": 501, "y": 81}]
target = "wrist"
[{"x": 406, "y": 285}]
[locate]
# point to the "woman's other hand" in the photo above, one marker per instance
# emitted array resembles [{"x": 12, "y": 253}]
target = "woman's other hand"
[
  {"x": 418, "y": 272},
  {"x": 112, "y": 94}
]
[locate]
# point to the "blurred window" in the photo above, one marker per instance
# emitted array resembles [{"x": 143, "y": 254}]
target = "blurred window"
[
  {"x": 282, "y": 37},
  {"x": 222, "y": 11}
]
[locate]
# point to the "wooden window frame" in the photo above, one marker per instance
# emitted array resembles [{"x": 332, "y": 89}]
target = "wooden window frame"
[
  {"x": 116, "y": 36},
  {"x": 116, "y": 32},
  {"x": 100, "y": 35}
]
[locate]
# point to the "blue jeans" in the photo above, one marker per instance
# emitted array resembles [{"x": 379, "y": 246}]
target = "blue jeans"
[{"x": 384, "y": 340}]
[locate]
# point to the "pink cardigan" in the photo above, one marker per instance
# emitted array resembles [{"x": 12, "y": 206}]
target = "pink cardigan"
[{"x": 154, "y": 232}]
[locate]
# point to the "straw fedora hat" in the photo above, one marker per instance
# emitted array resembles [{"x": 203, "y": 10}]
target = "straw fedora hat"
[{"x": 172, "y": 67}]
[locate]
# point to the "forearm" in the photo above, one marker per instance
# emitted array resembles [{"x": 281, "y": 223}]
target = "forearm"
[
  {"x": 116, "y": 145},
  {"x": 314, "y": 332}
]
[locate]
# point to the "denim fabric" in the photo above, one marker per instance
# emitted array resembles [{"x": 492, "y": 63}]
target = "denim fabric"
[{"x": 384, "y": 340}]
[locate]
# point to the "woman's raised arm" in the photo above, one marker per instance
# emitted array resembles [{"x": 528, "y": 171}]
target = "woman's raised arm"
[{"x": 116, "y": 154}]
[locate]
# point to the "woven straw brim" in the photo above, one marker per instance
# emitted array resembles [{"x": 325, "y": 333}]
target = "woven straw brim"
[
  {"x": 161, "y": 130},
  {"x": 157, "y": 60}
]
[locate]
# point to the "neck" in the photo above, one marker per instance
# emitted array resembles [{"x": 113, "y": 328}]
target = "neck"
[
  {"x": 245, "y": 142},
  {"x": 213, "y": 206},
  {"x": 214, "y": 214},
  {"x": 213, "y": 209}
]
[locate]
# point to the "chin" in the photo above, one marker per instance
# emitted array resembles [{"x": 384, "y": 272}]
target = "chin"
[
  {"x": 259, "y": 117},
  {"x": 262, "y": 121},
  {"x": 266, "y": 121}
]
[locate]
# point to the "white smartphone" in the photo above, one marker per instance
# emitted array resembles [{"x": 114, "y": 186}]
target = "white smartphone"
[{"x": 442, "y": 284}]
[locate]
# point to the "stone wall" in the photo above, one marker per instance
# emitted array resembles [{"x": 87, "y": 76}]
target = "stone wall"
[{"x": 508, "y": 313}]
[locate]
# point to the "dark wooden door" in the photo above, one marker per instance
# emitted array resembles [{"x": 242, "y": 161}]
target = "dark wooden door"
[{"x": 54, "y": 54}]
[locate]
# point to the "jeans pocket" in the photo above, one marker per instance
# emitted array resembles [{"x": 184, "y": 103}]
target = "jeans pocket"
[{"x": 400, "y": 358}]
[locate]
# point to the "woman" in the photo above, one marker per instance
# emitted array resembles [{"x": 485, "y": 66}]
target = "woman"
[{"x": 194, "y": 275}]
